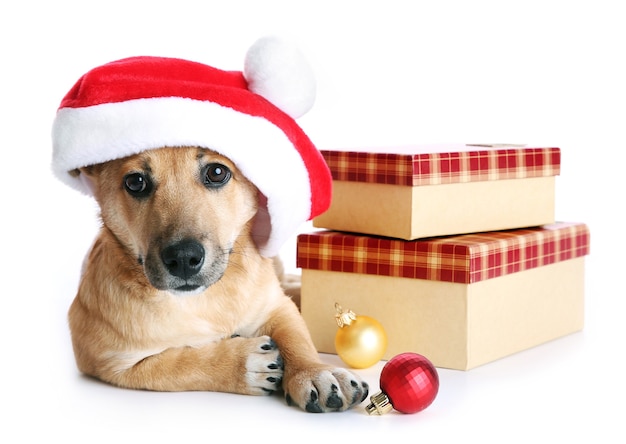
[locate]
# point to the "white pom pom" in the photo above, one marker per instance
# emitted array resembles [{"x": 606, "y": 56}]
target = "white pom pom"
[{"x": 278, "y": 71}]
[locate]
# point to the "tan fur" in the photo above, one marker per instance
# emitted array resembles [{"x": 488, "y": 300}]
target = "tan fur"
[{"x": 129, "y": 333}]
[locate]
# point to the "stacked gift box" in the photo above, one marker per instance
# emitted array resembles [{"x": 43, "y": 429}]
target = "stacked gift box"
[{"x": 454, "y": 249}]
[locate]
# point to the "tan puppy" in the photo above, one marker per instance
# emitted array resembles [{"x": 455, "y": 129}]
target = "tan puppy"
[{"x": 175, "y": 295}]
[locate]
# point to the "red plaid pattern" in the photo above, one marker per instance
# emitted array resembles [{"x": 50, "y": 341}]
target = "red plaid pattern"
[
  {"x": 442, "y": 168},
  {"x": 462, "y": 259}
]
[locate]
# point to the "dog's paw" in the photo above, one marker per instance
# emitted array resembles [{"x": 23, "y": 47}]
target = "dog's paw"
[
  {"x": 325, "y": 389},
  {"x": 264, "y": 366}
]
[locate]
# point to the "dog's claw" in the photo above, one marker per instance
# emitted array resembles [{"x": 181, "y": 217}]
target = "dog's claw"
[
  {"x": 275, "y": 384},
  {"x": 271, "y": 345},
  {"x": 313, "y": 405},
  {"x": 278, "y": 365},
  {"x": 289, "y": 400},
  {"x": 334, "y": 401},
  {"x": 366, "y": 390}
]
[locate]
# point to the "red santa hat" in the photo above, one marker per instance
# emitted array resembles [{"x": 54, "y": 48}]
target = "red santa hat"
[{"x": 141, "y": 103}]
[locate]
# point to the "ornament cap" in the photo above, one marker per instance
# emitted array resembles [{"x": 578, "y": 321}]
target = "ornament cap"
[
  {"x": 344, "y": 317},
  {"x": 379, "y": 405}
]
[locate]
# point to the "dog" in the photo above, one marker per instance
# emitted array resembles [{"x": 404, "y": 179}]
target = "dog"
[{"x": 174, "y": 295}]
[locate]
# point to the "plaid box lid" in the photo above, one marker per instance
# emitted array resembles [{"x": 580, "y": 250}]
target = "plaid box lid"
[
  {"x": 462, "y": 259},
  {"x": 441, "y": 164}
]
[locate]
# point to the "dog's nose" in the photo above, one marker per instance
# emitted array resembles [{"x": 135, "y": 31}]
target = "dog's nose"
[{"x": 183, "y": 259}]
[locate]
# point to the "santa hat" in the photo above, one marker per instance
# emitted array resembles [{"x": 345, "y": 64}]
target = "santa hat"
[{"x": 141, "y": 103}]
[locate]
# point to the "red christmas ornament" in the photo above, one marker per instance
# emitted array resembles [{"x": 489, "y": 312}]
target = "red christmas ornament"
[{"x": 409, "y": 383}]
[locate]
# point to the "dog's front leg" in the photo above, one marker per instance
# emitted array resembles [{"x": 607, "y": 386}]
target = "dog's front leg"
[
  {"x": 251, "y": 366},
  {"x": 308, "y": 382}
]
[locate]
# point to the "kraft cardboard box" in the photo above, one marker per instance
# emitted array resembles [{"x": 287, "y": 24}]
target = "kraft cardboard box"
[
  {"x": 422, "y": 191},
  {"x": 462, "y": 301}
]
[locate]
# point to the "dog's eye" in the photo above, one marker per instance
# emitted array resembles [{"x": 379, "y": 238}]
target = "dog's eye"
[
  {"x": 137, "y": 184},
  {"x": 215, "y": 175}
]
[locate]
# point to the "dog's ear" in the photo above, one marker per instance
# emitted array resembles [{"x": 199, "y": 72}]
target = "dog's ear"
[
  {"x": 85, "y": 175},
  {"x": 261, "y": 224}
]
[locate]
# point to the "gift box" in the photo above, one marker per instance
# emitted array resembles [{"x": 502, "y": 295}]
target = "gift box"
[
  {"x": 462, "y": 301},
  {"x": 423, "y": 191}
]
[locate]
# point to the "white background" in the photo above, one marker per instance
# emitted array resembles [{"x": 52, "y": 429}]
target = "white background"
[{"x": 536, "y": 72}]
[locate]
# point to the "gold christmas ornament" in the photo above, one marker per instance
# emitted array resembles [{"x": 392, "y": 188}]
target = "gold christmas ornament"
[{"x": 361, "y": 341}]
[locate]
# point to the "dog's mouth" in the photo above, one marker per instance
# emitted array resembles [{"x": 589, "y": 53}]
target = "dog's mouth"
[
  {"x": 187, "y": 290},
  {"x": 187, "y": 287}
]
